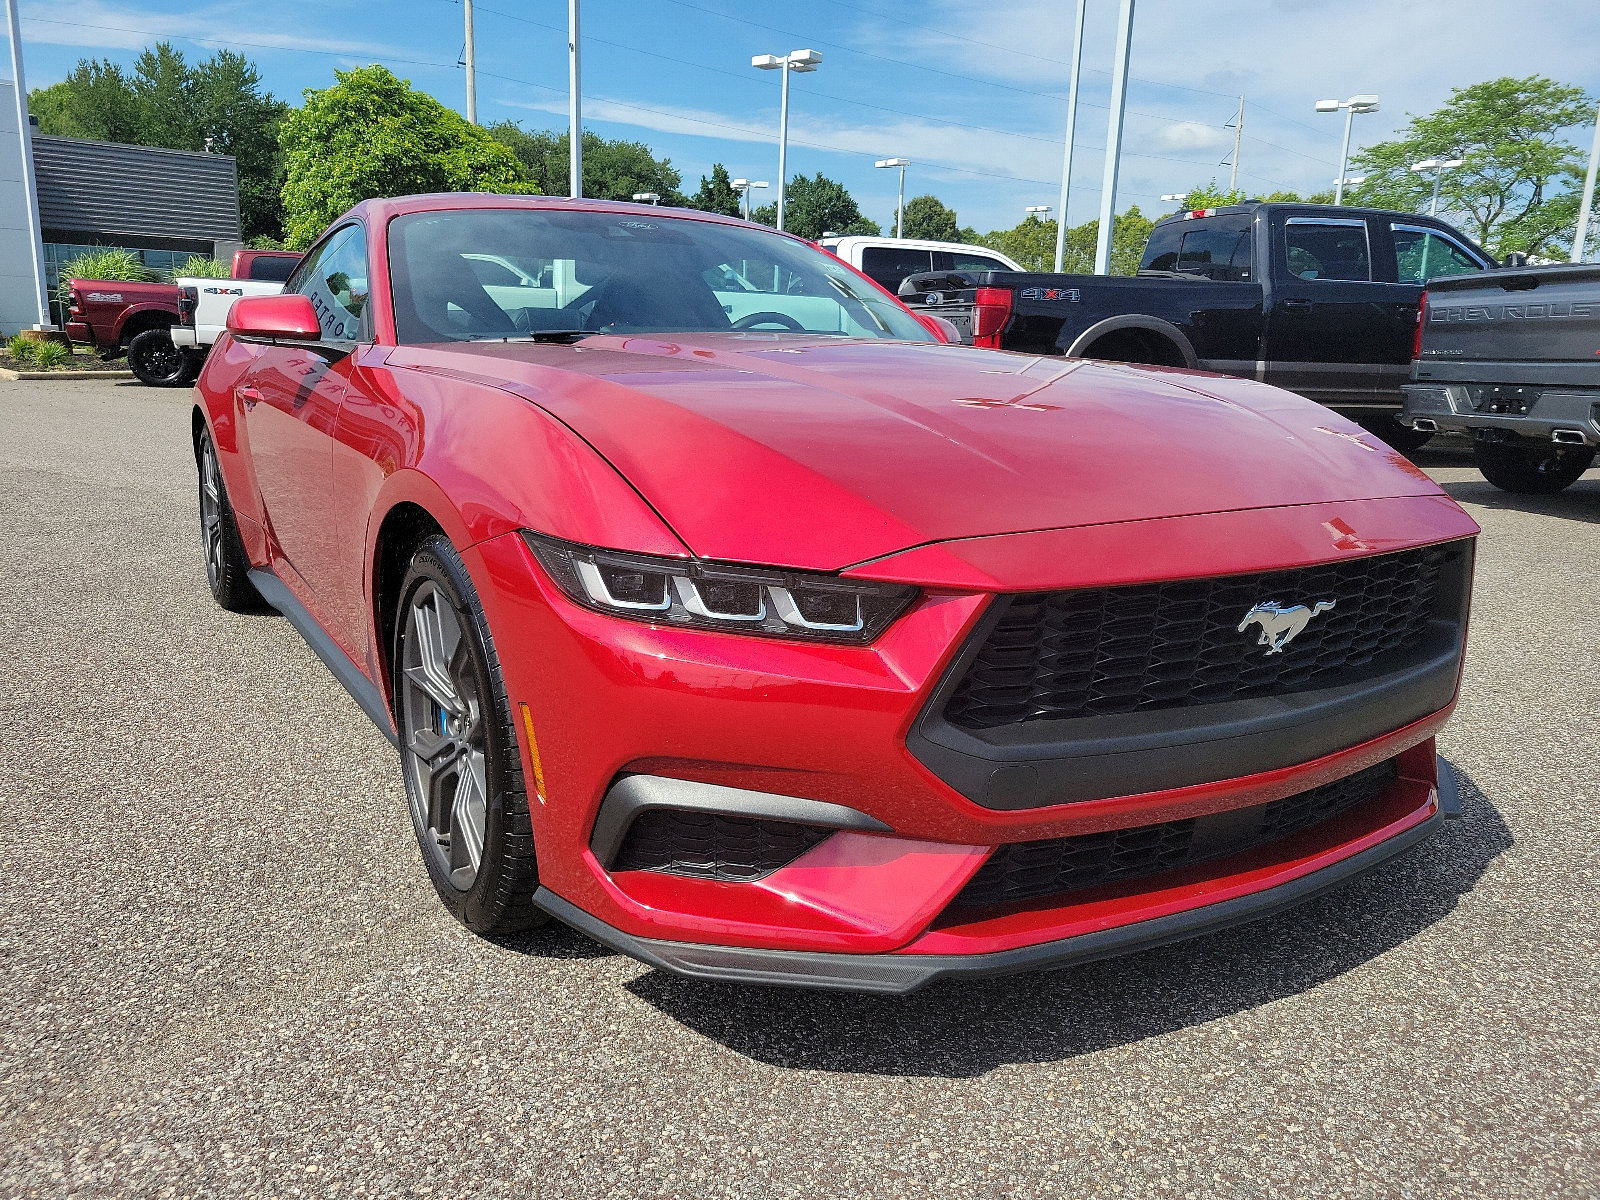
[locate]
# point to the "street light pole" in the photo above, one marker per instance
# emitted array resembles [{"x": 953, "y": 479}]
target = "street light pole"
[
  {"x": 795, "y": 60},
  {"x": 744, "y": 186},
  {"x": 1438, "y": 166},
  {"x": 1119, "y": 100},
  {"x": 1072, "y": 123},
  {"x": 574, "y": 105},
  {"x": 472, "y": 67},
  {"x": 1581, "y": 237},
  {"x": 900, "y": 203},
  {"x": 1356, "y": 104},
  {"x": 30, "y": 183}
]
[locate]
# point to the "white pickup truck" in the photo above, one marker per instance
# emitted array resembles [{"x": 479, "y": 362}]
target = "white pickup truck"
[
  {"x": 889, "y": 260},
  {"x": 203, "y": 304}
]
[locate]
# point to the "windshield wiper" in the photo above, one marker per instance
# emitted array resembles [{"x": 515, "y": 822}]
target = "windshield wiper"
[{"x": 535, "y": 335}]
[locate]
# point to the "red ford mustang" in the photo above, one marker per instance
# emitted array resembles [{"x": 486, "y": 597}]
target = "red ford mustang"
[{"x": 722, "y": 611}]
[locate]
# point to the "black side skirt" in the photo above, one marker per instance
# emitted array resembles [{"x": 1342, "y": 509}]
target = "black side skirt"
[{"x": 353, "y": 678}]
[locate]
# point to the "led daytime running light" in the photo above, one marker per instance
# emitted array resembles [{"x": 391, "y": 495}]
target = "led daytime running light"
[{"x": 765, "y": 601}]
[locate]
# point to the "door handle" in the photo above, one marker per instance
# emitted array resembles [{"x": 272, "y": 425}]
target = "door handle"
[
  {"x": 1300, "y": 307},
  {"x": 248, "y": 396}
]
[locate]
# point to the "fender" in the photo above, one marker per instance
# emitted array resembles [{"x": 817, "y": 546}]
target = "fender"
[
  {"x": 134, "y": 310},
  {"x": 1135, "y": 321}
]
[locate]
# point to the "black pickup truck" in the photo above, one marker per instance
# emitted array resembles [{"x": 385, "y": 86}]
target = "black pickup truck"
[
  {"x": 1512, "y": 359},
  {"x": 1317, "y": 299}
]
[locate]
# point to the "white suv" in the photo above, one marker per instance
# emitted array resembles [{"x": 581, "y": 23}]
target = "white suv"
[{"x": 890, "y": 260}]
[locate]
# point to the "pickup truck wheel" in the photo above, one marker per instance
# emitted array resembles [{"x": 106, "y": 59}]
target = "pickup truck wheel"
[
  {"x": 155, "y": 361},
  {"x": 1530, "y": 470},
  {"x": 459, "y": 750},
  {"x": 1401, "y": 437}
]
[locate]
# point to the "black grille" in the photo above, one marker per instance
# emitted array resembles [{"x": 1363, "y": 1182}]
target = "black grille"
[
  {"x": 1097, "y": 651},
  {"x": 713, "y": 845},
  {"x": 1028, "y": 870}
]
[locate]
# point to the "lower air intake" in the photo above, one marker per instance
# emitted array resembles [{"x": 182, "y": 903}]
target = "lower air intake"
[
  {"x": 1029, "y": 870},
  {"x": 713, "y": 845}
]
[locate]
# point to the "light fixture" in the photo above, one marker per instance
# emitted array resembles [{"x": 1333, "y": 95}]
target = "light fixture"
[
  {"x": 647, "y": 197},
  {"x": 796, "y": 60},
  {"x": 743, "y": 187},
  {"x": 1364, "y": 103},
  {"x": 900, "y": 203},
  {"x": 770, "y": 602}
]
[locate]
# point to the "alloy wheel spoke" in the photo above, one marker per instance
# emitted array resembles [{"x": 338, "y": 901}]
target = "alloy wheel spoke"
[
  {"x": 437, "y": 634},
  {"x": 469, "y": 812}
]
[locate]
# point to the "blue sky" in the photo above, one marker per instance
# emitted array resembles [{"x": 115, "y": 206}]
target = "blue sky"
[{"x": 973, "y": 93}]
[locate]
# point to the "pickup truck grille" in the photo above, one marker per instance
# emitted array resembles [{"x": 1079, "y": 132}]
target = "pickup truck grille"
[
  {"x": 1029, "y": 870},
  {"x": 1091, "y": 652}
]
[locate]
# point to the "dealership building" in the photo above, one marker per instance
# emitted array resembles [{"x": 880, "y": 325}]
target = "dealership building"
[{"x": 164, "y": 205}]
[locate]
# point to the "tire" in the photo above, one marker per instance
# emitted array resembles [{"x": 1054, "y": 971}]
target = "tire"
[
  {"x": 227, "y": 567},
  {"x": 458, "y": 749},
  {"x": 193, "y": 362},
  {"x": 1530, "y": 470},
  {"x": 155, "y": 361},
  {"x": 1389, "y": 431}
]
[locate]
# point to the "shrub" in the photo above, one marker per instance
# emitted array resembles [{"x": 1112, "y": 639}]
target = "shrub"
[
  {"x": 106, "y": 262},
  {"x": 199, "y": 266},
  {"x": 50, "y": 354},
  {"x": 20, "y": 348}
]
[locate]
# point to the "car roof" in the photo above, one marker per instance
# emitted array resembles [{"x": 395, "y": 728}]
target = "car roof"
[{"x": 386, "y": 208}]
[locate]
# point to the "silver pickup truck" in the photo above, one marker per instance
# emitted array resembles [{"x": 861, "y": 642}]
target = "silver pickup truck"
[{"x": 1512, "y": 359}]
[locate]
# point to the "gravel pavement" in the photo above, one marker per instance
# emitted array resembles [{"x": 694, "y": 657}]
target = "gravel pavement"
[{"x": 223, "y": 971}]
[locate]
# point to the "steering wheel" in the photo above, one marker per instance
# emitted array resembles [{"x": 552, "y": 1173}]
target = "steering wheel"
[{"x": 769, "y": 318}]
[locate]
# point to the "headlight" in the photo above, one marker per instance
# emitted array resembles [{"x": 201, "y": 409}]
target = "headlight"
[{"x": 769, "y": 602}]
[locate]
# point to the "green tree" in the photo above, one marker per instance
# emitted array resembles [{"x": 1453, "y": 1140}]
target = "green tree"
[
  {"x": 816, "y": 206},
  {"x": 372, "y": 134},
  {"x": 1032, "y": 244},
  {"x": 1214, "y": 196},
  {"x": 926, "y": 217},
  {"x": 1518, "y": 186},
  {"x": 717, "y": 194},
  {"x": 96, "y": 100},
  {"x": 612, "y": 170},
  {"x": 217, "y": 103}
]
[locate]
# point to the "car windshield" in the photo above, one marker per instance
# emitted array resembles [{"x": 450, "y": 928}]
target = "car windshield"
[{"x": 473, "y": 274}]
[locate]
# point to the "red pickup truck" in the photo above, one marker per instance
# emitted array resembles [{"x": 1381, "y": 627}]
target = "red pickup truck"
[{"x": 118, "y": 317}]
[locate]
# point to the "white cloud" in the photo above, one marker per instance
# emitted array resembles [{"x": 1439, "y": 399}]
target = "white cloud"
[{"x": 96, "y": 25}]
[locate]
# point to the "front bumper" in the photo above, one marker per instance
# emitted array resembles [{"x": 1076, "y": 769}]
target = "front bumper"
[
  {"x": 1564, "y": 415},
  {"x": 901, "y": 973},
  {"x": 597, "y": 700}
]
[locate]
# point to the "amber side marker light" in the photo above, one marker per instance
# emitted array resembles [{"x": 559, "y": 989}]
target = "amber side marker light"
[{"x": 533, "y": 753}]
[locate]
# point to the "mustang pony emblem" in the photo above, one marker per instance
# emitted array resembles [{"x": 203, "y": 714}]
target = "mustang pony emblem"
[{"x": 1280, "y": 625}]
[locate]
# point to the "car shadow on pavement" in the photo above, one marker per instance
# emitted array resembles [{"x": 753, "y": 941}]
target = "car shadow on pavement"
[
  {"x": 1579, "y": 502},
  {"x": 964, "y": 1029}
]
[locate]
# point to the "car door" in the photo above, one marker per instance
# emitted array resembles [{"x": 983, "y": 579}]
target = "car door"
[
  {"x": 1418, "y": 252},
  {"x": 1328, "y": 315},
  {"x": 291, "y": 399},
  {"x": 889, "y": 265}
]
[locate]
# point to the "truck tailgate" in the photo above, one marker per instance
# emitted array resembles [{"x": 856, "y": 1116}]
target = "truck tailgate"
[{"x": 1536, "y": 326}]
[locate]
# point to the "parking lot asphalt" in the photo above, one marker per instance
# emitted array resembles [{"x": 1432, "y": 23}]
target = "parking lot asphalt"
[{"x": 223, "y": 971}]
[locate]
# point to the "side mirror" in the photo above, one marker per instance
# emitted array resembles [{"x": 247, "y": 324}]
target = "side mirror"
[
  {"x": 1515, "y": 259},
  {"x": 942, "y": 329},
  {"x": 290, "y": 317}
]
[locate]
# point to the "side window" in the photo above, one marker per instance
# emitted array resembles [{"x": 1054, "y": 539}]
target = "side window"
[
  {"x": 1316, "y": 248},
  {"x": 272, "y": 269},
  {"x": 1212, "y": 249},
  {"x": 1421, "y": 254},
  {"x": 1161, "y": 251},
  {"x": 961, "y": 261},
  {"x": 888, "y": 265},
  {"x": 335, "y": 280}
]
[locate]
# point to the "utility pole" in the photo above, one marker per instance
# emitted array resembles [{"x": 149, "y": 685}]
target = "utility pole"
[
  {"x": 30, "y": 183},
  {"x": 1579, "y": 241},
  {"x": 1238, "y": 133},
  {"x": 1072, "y": 124},
  {"x": 1119, "y": 100},
  {"x": 574, "y": 106},
  {"x": 472, "y": 68}
]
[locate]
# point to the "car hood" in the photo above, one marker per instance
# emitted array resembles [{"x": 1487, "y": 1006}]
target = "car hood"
[{"x": 824, "y": 453}]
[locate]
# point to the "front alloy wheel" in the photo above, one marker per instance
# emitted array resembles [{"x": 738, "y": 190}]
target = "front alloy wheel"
[
  {"x": 458, "y": 748},
  {"x": 445, "y": 743}
]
